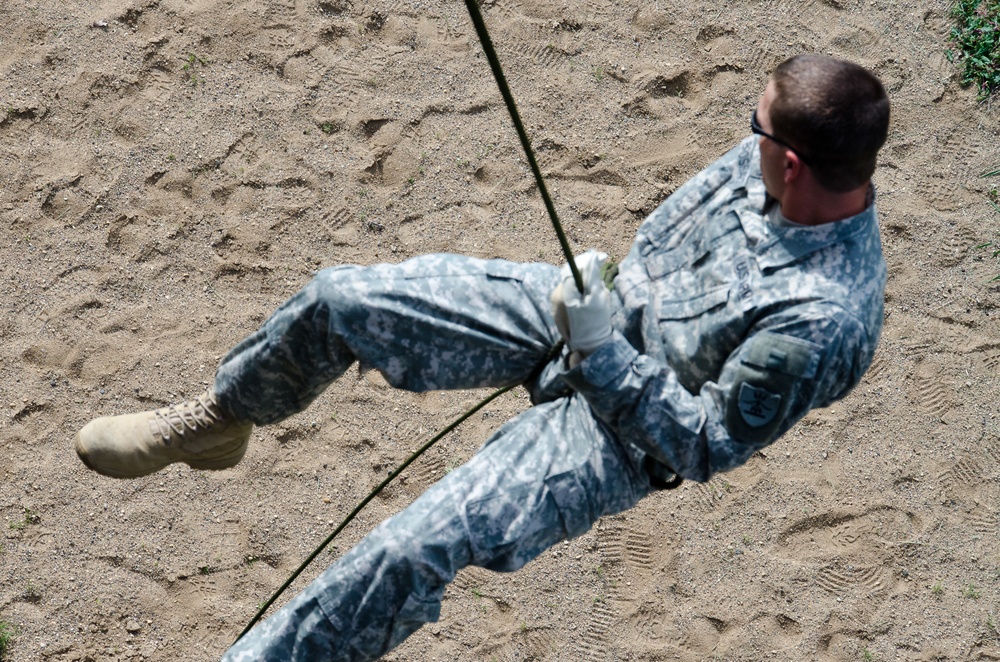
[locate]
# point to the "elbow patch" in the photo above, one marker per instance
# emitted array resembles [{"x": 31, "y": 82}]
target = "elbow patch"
[{"x": 771, "y": 374}]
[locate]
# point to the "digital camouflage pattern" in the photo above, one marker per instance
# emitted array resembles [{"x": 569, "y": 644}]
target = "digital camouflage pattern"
[
  {"x": 545, "y": 476},
  {"x": 433, "y": 322},
  {"x": 706, "y": 276},
  {"x": 728, "y": 329}
]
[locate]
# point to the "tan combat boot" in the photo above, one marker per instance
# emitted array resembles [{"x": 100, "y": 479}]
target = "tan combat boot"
[{"x": 196, "y": 432}]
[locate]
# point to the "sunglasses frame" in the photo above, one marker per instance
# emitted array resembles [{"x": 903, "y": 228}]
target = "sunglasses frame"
[{"x": 756, "y": 128}]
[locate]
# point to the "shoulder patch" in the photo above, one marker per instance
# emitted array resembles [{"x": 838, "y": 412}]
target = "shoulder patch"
[
  {"x": 758, "y": 406},
  {"x": 773, "y": 369}
]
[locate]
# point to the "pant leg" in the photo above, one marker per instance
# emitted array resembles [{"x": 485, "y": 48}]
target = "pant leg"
[
  {"x": 433, "y": 322},
  {"x": 545, "y": 476}
]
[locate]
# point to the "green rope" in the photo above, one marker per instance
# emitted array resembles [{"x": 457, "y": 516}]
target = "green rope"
[
  {"x": 491, "y": 55},
  {"x": 367, "y": 499}
]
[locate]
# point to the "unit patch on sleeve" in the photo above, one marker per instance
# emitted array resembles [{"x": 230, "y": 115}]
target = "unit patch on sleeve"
[
  {"x": 774, "y": 370},
  {"x": 758, "y": 406}
]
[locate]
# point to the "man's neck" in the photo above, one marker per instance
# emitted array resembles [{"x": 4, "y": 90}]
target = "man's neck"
[{"x": 815, "y": 205}]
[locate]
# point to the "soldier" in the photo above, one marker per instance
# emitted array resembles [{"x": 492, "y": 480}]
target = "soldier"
[{"x": 751, "y": 295}]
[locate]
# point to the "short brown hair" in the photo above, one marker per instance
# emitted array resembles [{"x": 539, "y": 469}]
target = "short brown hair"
[{"x": 835, "y": 112}]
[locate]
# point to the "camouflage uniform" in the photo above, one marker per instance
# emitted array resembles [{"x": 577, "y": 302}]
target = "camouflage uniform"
[{"x": 728, "y": 329}]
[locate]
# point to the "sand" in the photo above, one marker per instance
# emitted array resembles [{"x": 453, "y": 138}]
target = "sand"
[{"x": 172, "y": 170}]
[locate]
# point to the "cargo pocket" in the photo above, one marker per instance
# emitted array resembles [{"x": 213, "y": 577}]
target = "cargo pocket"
[
  {"x": 576, "y": 506},
  {"x": 508, "y": 530},
  {"x": 417, "y": 610},
  {"x": 499, "y": 526}
]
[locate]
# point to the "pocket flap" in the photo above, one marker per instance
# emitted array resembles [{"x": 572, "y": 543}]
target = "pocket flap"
[
  {"x": 783, "y": 353},
  {"x": 694, "y": 306}
]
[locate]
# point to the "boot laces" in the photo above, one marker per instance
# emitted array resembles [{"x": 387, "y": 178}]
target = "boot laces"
[{"x": 196, "y": 415}]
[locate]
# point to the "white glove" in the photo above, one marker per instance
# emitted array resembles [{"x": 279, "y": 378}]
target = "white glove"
[{"x": 584, "y": 320}]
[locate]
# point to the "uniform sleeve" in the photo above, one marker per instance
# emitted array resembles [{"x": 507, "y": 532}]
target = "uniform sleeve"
[{"x": 804, "y": 359}]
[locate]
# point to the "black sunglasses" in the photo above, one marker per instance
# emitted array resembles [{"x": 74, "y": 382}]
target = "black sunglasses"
[{"x": 756, "y": 128}]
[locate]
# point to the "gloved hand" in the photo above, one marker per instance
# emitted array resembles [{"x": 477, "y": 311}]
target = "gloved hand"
[{"x": 583, "y": 319}]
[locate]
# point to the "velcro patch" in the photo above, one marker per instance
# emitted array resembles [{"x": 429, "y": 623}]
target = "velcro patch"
[
  {"x": 758, "y": 406},
  {"x": 774, "y": 371}
]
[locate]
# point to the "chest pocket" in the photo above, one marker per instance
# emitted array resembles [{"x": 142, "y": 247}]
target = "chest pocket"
[
  {"x": 661, "y": 261},
  {"x": 695, "y": 306},
  {"x": 694, "y": 335}
]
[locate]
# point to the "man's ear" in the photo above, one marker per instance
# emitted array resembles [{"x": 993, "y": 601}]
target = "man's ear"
[{"x": 793, "y": 166}]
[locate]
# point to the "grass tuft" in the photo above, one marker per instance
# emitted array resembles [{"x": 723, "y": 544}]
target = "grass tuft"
[
  {"x": 976, "y": 34},
  {"x": 994, "y": 198},
  {"x": 7, "y": 632}
]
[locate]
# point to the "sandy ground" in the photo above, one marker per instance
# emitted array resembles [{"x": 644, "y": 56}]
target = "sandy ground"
[{"x": 171, "y": 170}]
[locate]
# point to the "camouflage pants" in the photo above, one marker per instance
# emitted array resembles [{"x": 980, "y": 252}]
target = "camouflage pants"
[{"x": 430, "y": 323}]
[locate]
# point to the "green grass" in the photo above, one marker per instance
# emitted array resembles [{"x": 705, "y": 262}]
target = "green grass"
[
  {"x": 191, "y": 71},
  {"x": 7, "y": 632},
  {"x": 976, "y": 35},
  {"x": 993, "y": 198},
  {"x": 30, "y": 517}
]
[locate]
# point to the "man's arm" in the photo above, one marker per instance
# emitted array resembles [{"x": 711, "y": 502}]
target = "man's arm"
[{"x": 803, "y": 358}]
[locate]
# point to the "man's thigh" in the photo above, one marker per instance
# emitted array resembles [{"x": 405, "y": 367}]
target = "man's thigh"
[
  {"x": 444, "y": 321},
  {"x": 546, "y": 476}
]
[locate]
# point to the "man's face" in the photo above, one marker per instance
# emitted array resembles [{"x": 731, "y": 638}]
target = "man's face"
[{"x": 772, "y": 155}]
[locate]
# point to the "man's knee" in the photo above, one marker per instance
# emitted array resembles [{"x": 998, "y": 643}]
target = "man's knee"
[{"x": 334, "y": 284}]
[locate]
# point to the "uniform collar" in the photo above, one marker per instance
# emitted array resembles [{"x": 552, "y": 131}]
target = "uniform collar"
[
  {"x": 776, "y": 246},
  {"x": 788, "y": 244}
]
